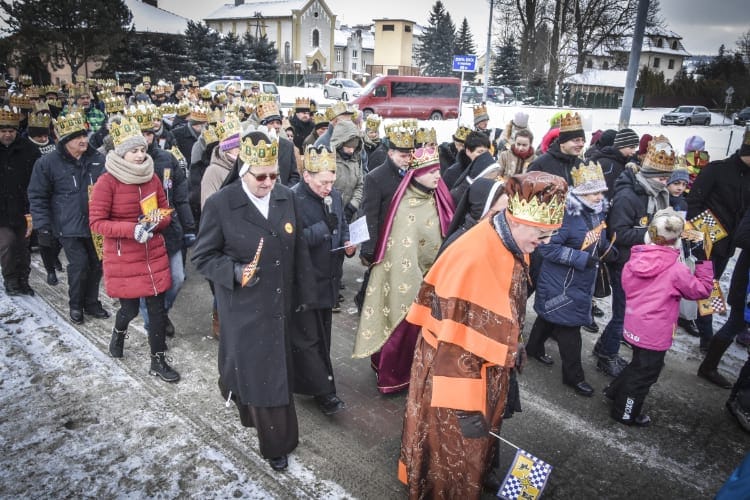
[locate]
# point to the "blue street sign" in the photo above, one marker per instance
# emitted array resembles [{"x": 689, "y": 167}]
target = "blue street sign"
[{"x": 465, "y": 63}]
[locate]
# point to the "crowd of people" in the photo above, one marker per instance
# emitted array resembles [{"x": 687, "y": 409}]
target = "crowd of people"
[{"x": 130, "y": 181}]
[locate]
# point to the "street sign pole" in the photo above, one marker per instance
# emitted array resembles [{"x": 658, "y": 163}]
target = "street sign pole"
[
  {"x": 461, "y": 99},
  {"x": 463, "y": 63}
]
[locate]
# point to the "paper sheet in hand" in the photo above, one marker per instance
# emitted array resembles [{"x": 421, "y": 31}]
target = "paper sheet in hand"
[{"x": 358, "y": 233}]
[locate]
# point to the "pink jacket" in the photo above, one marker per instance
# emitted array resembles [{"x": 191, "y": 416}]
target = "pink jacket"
[{"x": 654, "y": 281}]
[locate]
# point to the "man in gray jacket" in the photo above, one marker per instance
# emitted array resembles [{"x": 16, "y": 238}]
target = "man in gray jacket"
[{"x": 347, "y": 142}]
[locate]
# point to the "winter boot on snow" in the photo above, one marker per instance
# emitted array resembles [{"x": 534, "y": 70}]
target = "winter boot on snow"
[
  {"x": 708, "y": 369},
  {"x": 160, "y": 367},
  {"x": 117, "y": 342},
  {"x": 610, "y": 365}
]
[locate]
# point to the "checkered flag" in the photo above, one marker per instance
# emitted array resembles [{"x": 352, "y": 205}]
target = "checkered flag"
[
  {"x": 526, "y": 478},
  {"x": 715, "y": 303},
  {"x": 708, "y": 223}
]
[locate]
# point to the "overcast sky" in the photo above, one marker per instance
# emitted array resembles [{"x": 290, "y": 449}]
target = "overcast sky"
[{"x": 703, "y": 24}]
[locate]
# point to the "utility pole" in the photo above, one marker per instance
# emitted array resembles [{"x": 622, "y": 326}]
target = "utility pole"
[
  {"x": 488, "y": 53},
  {"x": 635, "y": 56}
]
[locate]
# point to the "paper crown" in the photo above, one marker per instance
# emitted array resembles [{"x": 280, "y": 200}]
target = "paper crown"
[
  {"x": 41, "y": 107},
  {"x": 262, "y": 155},
  {"x": 265, "y": 98},
  {"x": 373, "y": 122},
  {"x": 209, "y": 135},
  {"x": 143, "y": 115},
  {"x": 128, "y": 128},
  {"x": 158, "y": 90},
  {"x": 228, "y": 128},
  {"x": 215, "y": 116},
  {"x": 401, "y": 138},
  {"x": 114, "y": 104},
  {"x": 587, "y": 172},
  {"x": 461, "y": 133},
  {"x": 570, "y": 122},
  {"x": 69, "y": 124},
  {"x": 301, "y": 103},
  {"x": 232, "y": 109},
  {"x": 267, "y": 109},
  {"x": 537, "y": 199},
  {"x": 40, "y": 119},
  {"x": 319, "y": 119},
  {"x": 32, "y": 92},
  {"x": 182, "y": 108},
  {"x": 329, "y": 114},
  {"x": 425, "y": 136},
  {"x": 146, "y": 79},
  {"x": 127, "y": 86},
  {"x": 50, "y": 89},
  {"x": 9, "y": 118},
  {"x": 340, "y": 108},
  {"x": 167, "y": 108},
  {"x": 319, "y": 160},
  {"x": 20, "y": 102},
  {"x": 25, "y": 80},
  {"x": 660, "y": 155},
  {"x": 198, "y": 114},
  {"x": 424, "y": 157},
  {"x": 480, "y": 113},
  {"x": 79, "y": 90},
  {"x": 220, "y": 98},
  {"x": 205, "y": 94}
]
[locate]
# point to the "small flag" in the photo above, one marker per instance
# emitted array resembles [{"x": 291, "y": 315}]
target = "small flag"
[
  {"x": 526, "y": 478},
  {"x": 714, "y": 229},
  {"x": 715, "y": 303},
  {"x": 593, "y": 235},
  {"x": 252, "y": 267}
]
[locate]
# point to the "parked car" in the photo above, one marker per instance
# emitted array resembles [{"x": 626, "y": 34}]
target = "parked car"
[
  {"x": 687, "y": 115},
  {"x": 472, "y": 94},
  {"x": 499, "y": 94},
  {"x": 420, "y": 97},
  {"x": 342, "y": 88},
  {"x": 265, "y": 87},
  {"x": 743, "y": 117}
]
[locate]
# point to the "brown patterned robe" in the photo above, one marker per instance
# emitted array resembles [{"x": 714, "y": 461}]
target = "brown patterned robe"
[{"x": 471, "y": 311}]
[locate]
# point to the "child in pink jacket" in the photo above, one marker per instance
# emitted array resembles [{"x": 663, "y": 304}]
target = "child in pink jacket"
[{"x": 654, "y": 281}]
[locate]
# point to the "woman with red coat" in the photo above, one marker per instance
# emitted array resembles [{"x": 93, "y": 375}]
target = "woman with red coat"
[{"x": 128, "y": 208}]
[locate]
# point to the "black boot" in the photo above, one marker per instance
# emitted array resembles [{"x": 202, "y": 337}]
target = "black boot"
[
  {"x": 52, "y": 278},
  {"x": 708, "y": 369},
  {"x": 23, "y": 284},
  {"x": 610, "y": 365},
  {"x": 160, "y": 367},
  {"x": 117, "y": 342}
]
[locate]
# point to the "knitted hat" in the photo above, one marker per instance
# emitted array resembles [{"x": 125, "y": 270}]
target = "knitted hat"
[
  {"x": 571, "y": 128},
  {"x": 626, "y": 138},
  {"x": 521, "y": 119},
  {"x": 595, "y": 136},
  {"x": 588, "y": 179},
  {"x": 695, "y": 143},
  {"x": 480, "y": 114},
  {"x": 679, "y": 174},
  {"x": 643, "y": 144},
  {"x": 130, "y": 143},
  {"x": 126, "y": 135},
  {"x": 665, "y": 228},
  {"x": 607, "y": 138}
]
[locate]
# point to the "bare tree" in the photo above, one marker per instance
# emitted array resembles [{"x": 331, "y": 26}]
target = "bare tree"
[
  {"x": 743, "y": 46},
  {"x": 528, "y": 16}
]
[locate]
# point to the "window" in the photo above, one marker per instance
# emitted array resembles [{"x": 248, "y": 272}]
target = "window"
[
  {"x": 674, "y": 45},
  {"x": 389, "y": 27},
  {"x": 407, "y": 28},
  {"x": 589, "y": 64},
  {"x": 316, "y": 38},
  {"x": 354, "y": 54},
  {"x": 660, "y": 43},
  {"x": 656, "y": 62},
  {"x": 338, "y": 55},
  {"x": 605, "y": 65},
  {"x": 287, "y": 52},
  {"x": 315, "y": 14},
  {"x": 671, "y": 64},
  {"x": 380, "y": 91},
  {"x": 354, "y": 65},
  {"x": 410, "y": 89}
]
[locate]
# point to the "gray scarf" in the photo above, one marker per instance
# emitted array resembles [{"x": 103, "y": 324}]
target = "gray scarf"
[
  {"x": 127, "y": 172},
  {"x": 658, "y": 196}
]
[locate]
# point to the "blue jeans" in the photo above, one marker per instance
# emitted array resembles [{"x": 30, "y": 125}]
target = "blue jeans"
[
  {"x": 177, "y": 269},
  {"x": 612, "y": 334}
]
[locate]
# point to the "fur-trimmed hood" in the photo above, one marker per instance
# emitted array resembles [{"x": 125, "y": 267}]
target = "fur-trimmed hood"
[{"x": 574, "y": 205}]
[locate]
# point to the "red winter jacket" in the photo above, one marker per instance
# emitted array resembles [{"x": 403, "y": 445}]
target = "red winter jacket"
[{"x": 131, "y": 269}]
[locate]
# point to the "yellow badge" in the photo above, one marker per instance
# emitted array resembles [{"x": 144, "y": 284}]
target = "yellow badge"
[
  {"x": 288, "y": 227},
  {"x": 644, "y": 220}
]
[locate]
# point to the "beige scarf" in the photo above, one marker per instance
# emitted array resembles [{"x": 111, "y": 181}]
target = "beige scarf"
[{"x": 127, "y": 172}]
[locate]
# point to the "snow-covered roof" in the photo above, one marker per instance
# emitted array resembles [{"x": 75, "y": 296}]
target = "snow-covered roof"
[
  {"x": 342, "y": 34},
  {"x": 155, "y": 20},
  {"x": 269, "y": 8},
  {"x": 600, "y": 77}
]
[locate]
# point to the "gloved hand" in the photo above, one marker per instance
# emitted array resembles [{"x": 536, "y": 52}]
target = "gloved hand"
[
  {"x": 591, "y": 262},
  {"x": 332, "y": 222},
  {"x": 142, "y": 232},
  {"x": 365, "y": 260},
  {"x": 349, "y": 211},
  {"x": 45, "y": 238},
  {"x": 188, "y": 240},
  {"x": 239, "y": 269},
  {"x": 521, "y": 358},
  {"x": 472, "y": 424}
]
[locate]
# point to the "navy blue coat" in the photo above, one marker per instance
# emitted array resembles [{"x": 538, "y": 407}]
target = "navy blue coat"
[{"x": 565, "y": 284}]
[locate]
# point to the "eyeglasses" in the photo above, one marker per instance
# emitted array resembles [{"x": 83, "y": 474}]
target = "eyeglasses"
[
  {"x": 263, "y": 177},
  {"x": 546, "y": 236}
]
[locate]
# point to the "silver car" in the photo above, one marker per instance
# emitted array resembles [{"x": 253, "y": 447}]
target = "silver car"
[
  {"x": 342, "y": 88},
  {"x": 687, "y": 115}
]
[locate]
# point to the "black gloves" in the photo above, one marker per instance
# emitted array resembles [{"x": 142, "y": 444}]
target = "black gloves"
[
  {"x": 45, "y": 238},
  {"x": 349, "y": 211},
  {"x": 332, "y": 222},
  {"x": 472, "y": 424},
  {"x": 238, "y": 270},
  {"x": 591, "y": 262},
  {"x": 698, "y": 252}
]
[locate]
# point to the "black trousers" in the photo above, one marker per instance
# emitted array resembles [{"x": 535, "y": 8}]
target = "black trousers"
[
  {"x": 568, "y": 341},
  {"x": 630, "y": 388},
  {"x": 14, "y": 255},
  {"x": 311, "y": 352},
  {"x": 84, "y": 272},
  {"x": 156, "y": 319},
  {"x": 50, "y": 255}
]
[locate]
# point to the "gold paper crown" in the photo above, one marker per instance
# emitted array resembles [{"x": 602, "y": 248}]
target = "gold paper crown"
[
  {"x": 128, "y": 127},
  {"x": 267, "y": 109},
  {"x": 220, "y": 88},
  {"x": 660, "y": 155},
  {"x": 329, "y": 114},
  {"x": 195, "y": 84},
  {"x": 220, "y": 98},
  {"x": 199, "y": 114},
  {"x": 570, "y": 122},
  {"x": 78, "y": 90},
  {"x": 158, "y": 90},
  {"x": 9, "y": 118},
  {"x": 480, "y": 110},
  {"x": 401, "y": 138},
  {"x": 167, "y": 108},
  {"x": 146, "y": 79},
  {"x": 41, "y": 107},
  {"x": 51, "y": 89},
  {"x": 182, "y": 108},
  {"x": 20, "y": 102},
  {"x": 25, "y": 80},
  {"x": 209, "y": 135},
  {"x": 69, "y": 124},
  {"x": 550, "y": 213},
  {"x": 215, "y": 116},
  {"x": 461, "y": 133},
  {"x": 185, "y": 81},
  {"x": 139, "y": 89},
  {"x": 127, "y": 86},
  {"x": 228, "y": 128},
  {"x": 587, "y": 172},
  {"x": 424, "y": 157},
  {"x": 262, "y": 155},
  {"x": 40, "y": 120},
  {"x": 373, "y": 122},
  {"x": 319, "y": 118},
  {"x": 265, "y": 98},
  {"x": 340, "y": 108},
  {"x": 425, "y": 136},
  {"x": 232, "y": 109},
  {"x": 319, "y": 160},
  {"x": 80, "y": 79},
  {"x": 143, "y": 115},
  {"x": 103, "y": 94},
  {"x": 205, "y": 94},
  {"x": 301, "y": 103},
  {"x": 32, "y": 92},
  {"x": 114, "y": 104}
]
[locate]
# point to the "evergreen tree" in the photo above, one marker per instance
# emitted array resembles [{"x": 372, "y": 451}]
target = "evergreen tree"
[
  {"x": 263, "y": 56},
  {"x": 204, "y": 51},
  {"x": 435, "y": 52},
  {"x": 232, "y": 52},
  {"x": 159, "y": 55},
  {"x": 464, "y": 45},
  {"x": 506, "y": 68}
]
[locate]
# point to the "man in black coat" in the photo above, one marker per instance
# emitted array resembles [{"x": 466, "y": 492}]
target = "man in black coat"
[
  {"x": 448, "y": 151},
  {"x": 301, "y": 122},
  {"x": 376, "y": 150},
  {"x": 564, "y": 153},
  {"x": 613, "y": 158},
  {"x": 186, "y": 135},
  {"x": 59, "y": 198},
  {"x": 475, "y": 144},
  {"x": 17, "y": 157},
  {"x": 724, "y": 188}
]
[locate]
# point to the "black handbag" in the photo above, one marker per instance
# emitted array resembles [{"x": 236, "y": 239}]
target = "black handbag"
[{"x": 602, "y": 285}]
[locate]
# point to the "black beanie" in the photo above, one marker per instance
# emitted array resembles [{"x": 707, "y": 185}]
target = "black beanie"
[
  {"x": 607, "y": 138},
  {"x": 569, "y": 135},
  {"x": 37, "y": 131}
]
